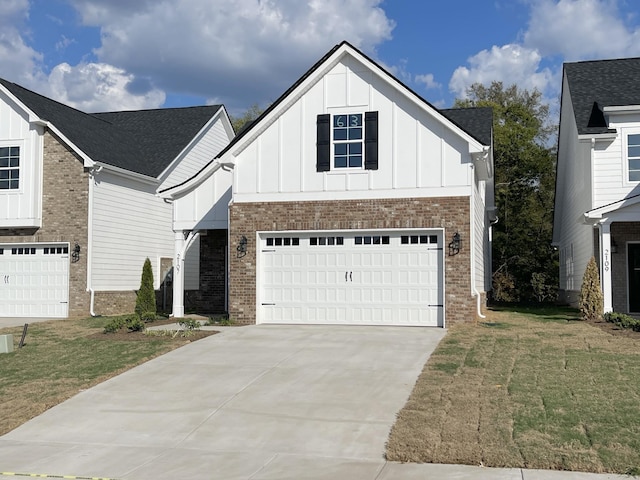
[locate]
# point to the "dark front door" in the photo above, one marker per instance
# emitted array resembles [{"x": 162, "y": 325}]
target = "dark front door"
[{"x": 634, "y": 276}]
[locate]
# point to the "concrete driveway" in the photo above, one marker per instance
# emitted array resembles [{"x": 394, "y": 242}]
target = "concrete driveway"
[{"x": 258, "y": 402}]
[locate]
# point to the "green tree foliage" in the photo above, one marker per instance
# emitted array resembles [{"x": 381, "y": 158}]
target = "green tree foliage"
[
  {"x": 146, "y": 299},
  {"x": 524, "y": 189},
  {"x": 591, "y": 298},
  {"x": 253, "y": 112}
]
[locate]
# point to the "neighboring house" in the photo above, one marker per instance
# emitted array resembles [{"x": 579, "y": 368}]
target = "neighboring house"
[
  {"x": 354, "y": 201},
  {"x": 79, "y": 210},
  {"x": 597, "y": 207}
]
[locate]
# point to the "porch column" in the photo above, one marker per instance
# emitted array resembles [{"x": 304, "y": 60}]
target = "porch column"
[
  {"x": 605, "y": 265},
  {"x": 178, "y": 274}
]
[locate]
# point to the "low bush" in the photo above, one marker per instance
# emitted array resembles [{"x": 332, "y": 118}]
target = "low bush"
[
  {"x": 114, "y": 325},
  {"x": 148, "y": 317},
  {"x": 623, "y": 320},
  {"x": 134, "y": 324},
  {"x": 189, "y": 324}
]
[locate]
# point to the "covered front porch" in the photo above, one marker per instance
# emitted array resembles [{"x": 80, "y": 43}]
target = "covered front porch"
[{"x": 617, "y": 249}]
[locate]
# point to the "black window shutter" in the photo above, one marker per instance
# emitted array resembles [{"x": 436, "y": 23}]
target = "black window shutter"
[
  {"x": 323, "y": 143},
  {"x": 371, "y": 140}
]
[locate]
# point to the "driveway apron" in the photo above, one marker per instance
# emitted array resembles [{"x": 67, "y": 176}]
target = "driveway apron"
[{"x": 256, "y": 402}]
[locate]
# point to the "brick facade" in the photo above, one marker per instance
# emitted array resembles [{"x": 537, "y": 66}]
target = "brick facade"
[
  {"x": 450, "y": 213},
  {"x": 65, "y": 204}
]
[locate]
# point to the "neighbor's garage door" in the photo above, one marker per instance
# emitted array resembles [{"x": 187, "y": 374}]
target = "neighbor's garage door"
[
  {"x": 353, "y": 277},
  {"x": 34, "y": 280}
]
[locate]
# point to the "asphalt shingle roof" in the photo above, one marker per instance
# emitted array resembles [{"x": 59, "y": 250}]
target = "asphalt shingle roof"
[
  {"x": 594, "y": 85},
  {"x": 477, "y": 121},
  {"x": 144, "y": 141}
]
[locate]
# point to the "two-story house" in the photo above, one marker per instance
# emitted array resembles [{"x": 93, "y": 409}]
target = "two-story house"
[
  {"x": 354, "y": 201},
  {"x": 597, "y": 206},
  {"x": 79, "y": 210}
]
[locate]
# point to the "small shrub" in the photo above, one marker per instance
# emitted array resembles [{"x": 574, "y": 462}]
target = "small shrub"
[
  {"x": 146, "y": 299},
  {"x": 221, "y": 319},
  {"x": 189, "y": 324},
  {"x": 114, "y": 325},
  {"x": 134, "y": 324},
  {"x": 591, "y": 298},
  {"x": 504, "y": 288},
  {"x": 623, "y": 321},
  {"x": 148, "y": 317}
]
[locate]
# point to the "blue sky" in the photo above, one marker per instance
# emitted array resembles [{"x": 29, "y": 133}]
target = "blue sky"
[{"x": 99, "y": 55}]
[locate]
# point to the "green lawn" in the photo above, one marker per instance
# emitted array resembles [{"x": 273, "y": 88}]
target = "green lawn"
[
  {"x": 61, "y": 358},
  {"x": 534, "y": 389}
]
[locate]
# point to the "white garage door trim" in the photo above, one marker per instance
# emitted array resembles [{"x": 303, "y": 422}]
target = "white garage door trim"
[
  {"x": 34, "y": 280},
  {"x": 352, "y": 277}
]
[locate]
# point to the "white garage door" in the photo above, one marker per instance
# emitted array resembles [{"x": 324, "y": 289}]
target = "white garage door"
[
  {"x": 352, "y": 277},
  {"x": 34, "y": 280}
]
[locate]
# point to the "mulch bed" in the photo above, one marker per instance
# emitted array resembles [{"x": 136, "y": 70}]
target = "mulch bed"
[
  {"x": 613, "y": 329},
  {"x": 126, "y": 335}
]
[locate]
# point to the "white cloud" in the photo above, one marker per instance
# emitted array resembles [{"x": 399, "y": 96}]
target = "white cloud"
[
  {"x": 244, "y": 51},
  {"x": 580, "y": 29},
  {"x": 510, "y": 64},
  {"x": 18, "y": 62},
  {"x": 427, "y": 80},
  {"x": 93, "y": 87}
]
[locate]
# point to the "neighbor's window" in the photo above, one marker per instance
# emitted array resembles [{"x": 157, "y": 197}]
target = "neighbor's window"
[
  {"x": 9, "y": 168},
  {"x": 633, "y": 157},
  {"x": 347, "y": 140}
]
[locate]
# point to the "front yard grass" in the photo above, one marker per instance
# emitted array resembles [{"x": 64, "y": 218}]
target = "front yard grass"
[
  {"x": 531, "y": 389},
  {"x": 63, "y": 357}
]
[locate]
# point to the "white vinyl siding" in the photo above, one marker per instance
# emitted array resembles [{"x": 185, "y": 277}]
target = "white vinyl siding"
[
  {"x": 130, "y": 223},
  {"x": 420, "y": 154},
  {"x": 21, "y": 207},
  {"x": 480, "y": 240}
]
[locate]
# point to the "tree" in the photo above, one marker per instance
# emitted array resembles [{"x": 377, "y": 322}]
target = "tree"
[
  {"x": 591, "y": 298},
  {"x": 253, "y": 112},
  {"x": 146, "y": 299},
  {"x": 524, "y": 187}
]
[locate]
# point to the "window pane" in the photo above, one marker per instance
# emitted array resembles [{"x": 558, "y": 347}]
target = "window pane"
[
  {"x": 14, "y": 162},
  {"x": 287, "y": 242},
  {"x": 376, "y": 240},
  {"x": 355, "y": 161},
  {"x": 340, "y": 121},
  {"x": 634, "y": 151},
  {"x": 340, "y": 134},
  {"x": 322, "y": 240},
  {"x": 313, "y": 241},
  {"x": 433, "y": 239},
  {"x": 356, "y": 120},
  {"x": 634, "y": 164},
  {"x": 4, "y": 151},
  {"x": 340, "y": 162},
  {"x": 355, "y": 134},
  {"x": 278, "y": 242},
  {"x": 424, "y": 239},
  {"x": 14, "y": 174},
  {"x": 14, "y": 184},
  {"x": 339, "y": 240},
  {"x": 404, "y": 239},
  {"x": 633, "y": 139},
  {"x": 340, "y": 149},
  {"x": 4, "y": 162},
  {"x": 358, "y": 240},
  {"x": 331, "y": 240},
  {"x": 15, "y": 151},
  {"x": 634, "y": 176},
  {"x": 414, "y": 238},
  {"x": 295, "y": 241},
  {"x": 4, "y": 174},
  {"x": 355, "y": 148}
]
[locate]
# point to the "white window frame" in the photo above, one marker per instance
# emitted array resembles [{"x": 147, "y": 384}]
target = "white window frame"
[
  {"x": 625, "y": 150},
  {"x": 335, "y": 142},
  {"x": 20, "y": 145}
]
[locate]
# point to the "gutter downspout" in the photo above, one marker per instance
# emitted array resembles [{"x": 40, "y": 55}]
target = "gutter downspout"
[
  {"x": 472, "y": 243},
  {"x": 92, "y": 173}
]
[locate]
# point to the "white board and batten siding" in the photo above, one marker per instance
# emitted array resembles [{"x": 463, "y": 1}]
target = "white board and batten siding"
[
  {"x": 211, "y": 140},
  {"x": 22, "y": 207},
  {"x": 420, "y": 155},
  {"x": 351, "y": 277},
  {"x": 129, "y": 224}
]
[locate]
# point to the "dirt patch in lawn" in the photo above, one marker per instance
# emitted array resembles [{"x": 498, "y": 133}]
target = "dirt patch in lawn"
[{"x": 527, "y": 391}]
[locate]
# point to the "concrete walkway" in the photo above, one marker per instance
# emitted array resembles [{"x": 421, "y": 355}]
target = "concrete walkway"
[{"x": 276, "y": 402}]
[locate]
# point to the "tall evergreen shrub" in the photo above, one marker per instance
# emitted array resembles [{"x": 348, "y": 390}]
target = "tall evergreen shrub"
[
  {"x": 591, "y": 298},
  {"x": 146, "y": 300}
]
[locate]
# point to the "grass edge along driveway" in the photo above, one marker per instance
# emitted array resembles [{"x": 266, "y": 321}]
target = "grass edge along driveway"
[{"x": 536, "y": 389}]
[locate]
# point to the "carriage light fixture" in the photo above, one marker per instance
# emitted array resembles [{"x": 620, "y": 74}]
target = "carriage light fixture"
[
  {"x": 75, "y": 254},
  {"x": 455, "y": 244},
  {"x": 242, "y": 246}
]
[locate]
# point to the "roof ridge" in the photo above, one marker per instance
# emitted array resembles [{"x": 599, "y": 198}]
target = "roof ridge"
[{"x": 602, "y": 60}]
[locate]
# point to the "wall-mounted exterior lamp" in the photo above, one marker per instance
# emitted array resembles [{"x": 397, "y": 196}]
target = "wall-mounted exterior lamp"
[
  {"x": 75, "y": 253},
  {"x": 242, "y": 247},
  {"x": 455, "y": 244}
]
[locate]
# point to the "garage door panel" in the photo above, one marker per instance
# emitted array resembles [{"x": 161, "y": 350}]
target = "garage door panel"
[
  {"x": 35, "y": 280},
  {"x": 353, "y": 278}
]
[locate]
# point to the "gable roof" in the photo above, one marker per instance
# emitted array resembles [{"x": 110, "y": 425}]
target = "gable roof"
[
  {"x": 144, "y": 141},
  {"x": 477, "y": 121},
  {"x": 594, "y": 85},
  {"x": 468, "y": 122}
]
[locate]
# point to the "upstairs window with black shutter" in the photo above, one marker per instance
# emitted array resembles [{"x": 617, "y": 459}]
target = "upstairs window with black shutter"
[{"x": 347, "y": 141}]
